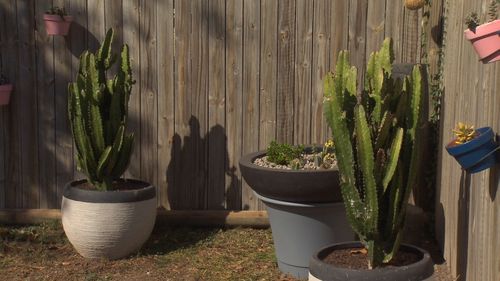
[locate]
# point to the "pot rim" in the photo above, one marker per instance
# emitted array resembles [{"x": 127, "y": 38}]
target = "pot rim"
[
  {"x": 295, "y": 204},
  {"x": 425, "y": 258},
  {"x": 57, "y": 18},
  {"x": 248, "y": 159},
  {"x": 485, "y": 133},
  {"x": 72, "y": 192},
  {"x": 472, "y": 36}
]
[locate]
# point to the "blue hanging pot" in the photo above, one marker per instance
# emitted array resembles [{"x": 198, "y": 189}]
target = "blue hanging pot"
[{"x": 477, "y": 154}]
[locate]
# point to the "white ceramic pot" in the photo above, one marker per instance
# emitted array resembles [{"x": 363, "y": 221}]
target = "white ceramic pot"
[{"x": 109, "y": 224}]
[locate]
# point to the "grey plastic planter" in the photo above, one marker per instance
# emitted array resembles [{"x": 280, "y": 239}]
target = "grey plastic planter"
[
  {"x": 299, "y": 230},
  {"x": 108, "y": 224}
]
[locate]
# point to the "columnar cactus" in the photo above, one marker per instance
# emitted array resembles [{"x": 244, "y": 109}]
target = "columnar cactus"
[
  {"x": 376, "y": 139},
  {"x": 98, "y": 111}
]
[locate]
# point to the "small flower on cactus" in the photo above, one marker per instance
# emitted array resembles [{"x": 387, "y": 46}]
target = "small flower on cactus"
[{"x": 464, "y": 133}]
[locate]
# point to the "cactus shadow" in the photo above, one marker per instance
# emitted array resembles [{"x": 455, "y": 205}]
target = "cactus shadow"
[
  {"x": 463, "y": 225},
  {"x": 199, "y": 175}
]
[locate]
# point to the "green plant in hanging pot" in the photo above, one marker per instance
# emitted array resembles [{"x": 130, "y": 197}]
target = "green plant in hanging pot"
[
  {"x": 485, "y": 37},
  {"x": 105, "y": 216},
  {"x": 376, "y": 134},
  {"x": 57, "y": 21}
]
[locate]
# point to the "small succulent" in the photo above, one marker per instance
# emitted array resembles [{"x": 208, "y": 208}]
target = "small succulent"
[
  {"x": 3, "y": 79},
  {"x": 472, "y": 20},
  {"x": 57, "y": 11},
  {"x": 283, "y": 154},
  {"x": 464, "y": 133},
  {"x": 296, "y": 164}
]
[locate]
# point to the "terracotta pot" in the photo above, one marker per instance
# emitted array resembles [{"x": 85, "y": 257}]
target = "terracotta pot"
[
  {"x": 5, "y": 91},
  {"x": 55, "y": 25},
  {"x": 486, "y": 41},
  {"x": 108, "y": 224},
  {"x": 414, "y": 4}
]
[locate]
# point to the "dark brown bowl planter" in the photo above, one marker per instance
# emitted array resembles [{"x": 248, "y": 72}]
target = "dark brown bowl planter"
[
  {"x": 55, "y": 25},
  {"x": 299, "y": 186},
  {"x": 5, "y": 91},
  {"x": 421, "y": 270}
]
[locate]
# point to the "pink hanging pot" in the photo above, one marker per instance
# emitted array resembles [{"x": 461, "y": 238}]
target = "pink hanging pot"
[
  {"x": 486, "y": 41},
  {"x": 57, "y": 25},
  {"x": 5, "y": 91}
]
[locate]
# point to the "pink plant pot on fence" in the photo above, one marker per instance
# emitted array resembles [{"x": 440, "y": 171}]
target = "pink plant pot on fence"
[
  {"x": 486, "y": 41},
  {"x": 55, "y": 25},
  {"x": 5, "y": 91}
]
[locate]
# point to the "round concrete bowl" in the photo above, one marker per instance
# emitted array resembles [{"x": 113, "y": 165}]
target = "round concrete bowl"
[
  {"x": 299, "y": 186},
  {"x": 108, "y": 224},
  {"x": 421, "y": 270}
]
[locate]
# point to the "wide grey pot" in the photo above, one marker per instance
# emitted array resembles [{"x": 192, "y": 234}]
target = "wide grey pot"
[
  {"x": 301, "y": 229},
  {"x": 109, "y": 224}
]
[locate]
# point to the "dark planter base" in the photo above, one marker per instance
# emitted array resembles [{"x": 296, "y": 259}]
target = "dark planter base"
[{"x": 422, "y": 270}]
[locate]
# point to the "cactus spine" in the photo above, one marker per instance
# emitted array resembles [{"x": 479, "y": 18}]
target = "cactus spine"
[
  {"x": 376, "y": 139},
  {"x": 98, "y": 110}
]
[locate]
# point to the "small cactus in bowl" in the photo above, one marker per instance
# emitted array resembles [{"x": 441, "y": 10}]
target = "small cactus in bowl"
[{"x": 464, "y": 133}]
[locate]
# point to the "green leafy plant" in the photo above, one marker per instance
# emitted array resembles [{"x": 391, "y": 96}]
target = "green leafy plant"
[
  {"x": 472, "y": 20},
  {"x": 464, "y": 133},
  {"x": 57, "y": 11},
  {"x": 376, "y": 135},
  {"x": 98, "y": 110},
  {"x": 283, "y": 154}
]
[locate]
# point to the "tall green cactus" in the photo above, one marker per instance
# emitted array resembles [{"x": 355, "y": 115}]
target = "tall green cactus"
[
  {"x": 376, "y": 137},
  {"x": 98, "y": 110}
]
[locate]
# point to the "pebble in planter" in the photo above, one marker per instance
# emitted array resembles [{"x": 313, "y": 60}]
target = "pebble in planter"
[
  {"x": 5, "y": 90},
  {"x": 105, "y": 216},
  {"x": 473, "y": 149},
  {"x": 300, "y": 188},
  {"x": 376, "y": 132},
  {"x": 485, "y": 38},
  {"x": 57, "y": 22}
]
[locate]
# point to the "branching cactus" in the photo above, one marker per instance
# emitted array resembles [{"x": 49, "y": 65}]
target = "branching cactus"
[
  {"x": 98, "y": 110},
  {"x": 376, "y": 138}
]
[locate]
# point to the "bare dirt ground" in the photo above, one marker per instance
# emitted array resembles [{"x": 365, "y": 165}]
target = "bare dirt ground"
[{"x": 42, "y": 252}]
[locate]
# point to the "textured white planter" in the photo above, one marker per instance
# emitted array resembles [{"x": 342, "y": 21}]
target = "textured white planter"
[{"x": 111, "y": 224}]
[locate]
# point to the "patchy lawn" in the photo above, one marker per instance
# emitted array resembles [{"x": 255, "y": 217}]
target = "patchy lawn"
[{"x": 42, "y": 252}]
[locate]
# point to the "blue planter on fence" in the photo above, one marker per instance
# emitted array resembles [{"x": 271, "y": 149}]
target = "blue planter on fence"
[{"x": 478, "y": 154}]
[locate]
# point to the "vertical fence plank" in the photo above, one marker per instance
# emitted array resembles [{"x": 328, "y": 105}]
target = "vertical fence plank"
[
  {"x": 12, "y": 141},
  {"x": 95, "y": 23},
  {"x": 286, "y": 62},
  {"x": 411, "y": 36},
  {"x": 179, "y": 194},
  {"x": 394, "y": 11},
  {"x": 113, "y": 18},
  {"x": 46, "y": 111},
  {"x": 234, "y": 93},
  {"x": 375, "y": 23},
  {"x": 268, "y": 72},
  {"x": 251, "y": 45},
  {"x": 166, "y": 106},
  {"x": 62, "y": 75},
  {"x": 131, "y": 38},
  {"x": 302, "y": 80},
  {"x": 148, "y": 91},
  {"x": 357, "y": 36},
  {"x": 27, "y": 95},
  {"x": 216, "y": 137}
]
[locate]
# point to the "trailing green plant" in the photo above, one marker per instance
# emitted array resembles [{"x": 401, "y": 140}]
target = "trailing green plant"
[
  {"x": 376, "y": 135},
  {"x": 472, "y": 20},
  {"x": 98, "y": 110},
  {"x": 58, "y": 11},
  {"x": 283, "y": 154}
]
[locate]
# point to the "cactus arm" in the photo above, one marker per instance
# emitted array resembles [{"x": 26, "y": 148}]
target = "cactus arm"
[
  {"x": 335, "y": 91},
  {"x": 117, "y": 146},
  {"x": 124, "y": 157},
  {"x": 103, "y": 161},
  {"x": 366, "y": 164},
  {"x": 104, "y": 56},
  {"x": 393, "y": 158}
]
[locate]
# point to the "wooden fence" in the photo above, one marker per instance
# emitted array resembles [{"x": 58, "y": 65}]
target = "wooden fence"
[
  {"x": 215, "y": 80},
  {"x": 468, "y": 206}
]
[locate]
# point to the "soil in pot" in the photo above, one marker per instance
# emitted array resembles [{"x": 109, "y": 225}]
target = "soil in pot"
[{"x": 356, "y": 258}]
